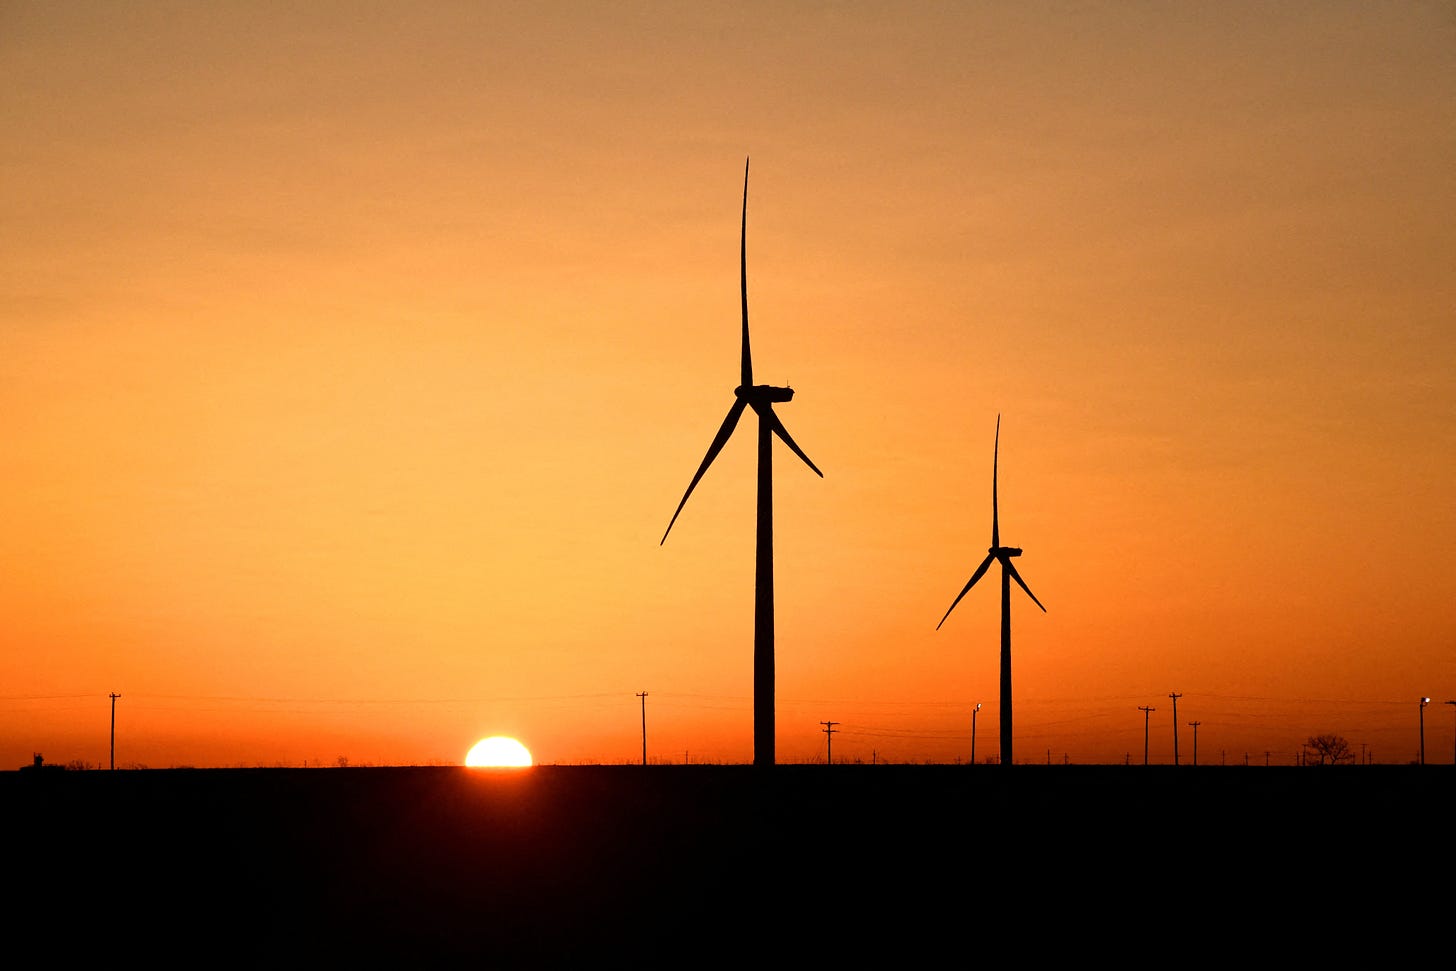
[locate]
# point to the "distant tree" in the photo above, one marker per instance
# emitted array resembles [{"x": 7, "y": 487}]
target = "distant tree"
[{"x": 1331, "y": 749}]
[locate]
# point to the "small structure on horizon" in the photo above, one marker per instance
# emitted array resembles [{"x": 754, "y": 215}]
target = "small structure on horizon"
[{"x": 39, "y": 765}]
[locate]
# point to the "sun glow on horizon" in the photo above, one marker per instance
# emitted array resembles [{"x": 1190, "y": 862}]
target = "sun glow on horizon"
[{"x": 498, "y": 751}]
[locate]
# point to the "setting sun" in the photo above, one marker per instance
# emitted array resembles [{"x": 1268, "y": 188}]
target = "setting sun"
[{"x": 498, "y": 751}]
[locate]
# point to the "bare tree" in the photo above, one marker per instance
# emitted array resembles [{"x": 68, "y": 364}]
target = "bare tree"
[{"x": 1331, "y": 749}]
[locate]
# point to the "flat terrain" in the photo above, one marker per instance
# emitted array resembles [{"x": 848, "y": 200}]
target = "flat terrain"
[{"x": 693, "y": 865}]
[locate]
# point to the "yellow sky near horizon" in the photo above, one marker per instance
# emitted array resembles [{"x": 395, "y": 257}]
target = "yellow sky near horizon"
[{"x": 353, "y": 358}]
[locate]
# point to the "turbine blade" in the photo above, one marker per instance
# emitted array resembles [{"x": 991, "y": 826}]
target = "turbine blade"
[
  {"x": 777, "y": 427},
  {"x": 995, "y": 458},
  {"x": 980, "y": 572},
  {"x": 1017, "y": 577},
  {"x": 746, "y": 378},
  {"x": 729, "y": 423}
]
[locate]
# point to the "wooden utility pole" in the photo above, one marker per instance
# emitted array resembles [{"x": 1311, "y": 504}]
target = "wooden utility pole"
[
  {"x": 1175, "y": 696},
  {"x": 829, "y": 741},
  {"x": 1195, "y": 740},
  {"x": 114, "y": 696},
  {"x": 1147, "y": 711},
  {"x": 643, "y": 696}
]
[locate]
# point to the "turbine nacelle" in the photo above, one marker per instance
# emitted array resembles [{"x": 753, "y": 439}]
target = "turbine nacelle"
[
  {"x": 763, "y": 394},
  {"x": 1000, "y": 551}
]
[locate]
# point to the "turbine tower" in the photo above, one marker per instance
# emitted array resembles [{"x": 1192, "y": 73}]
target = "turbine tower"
[
  {"x": 761, "y": 398},
  {"x": 1008, "y": 573}
]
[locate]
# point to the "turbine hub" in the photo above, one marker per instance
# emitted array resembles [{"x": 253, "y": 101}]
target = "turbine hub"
[{"x": 762, "y": 393}]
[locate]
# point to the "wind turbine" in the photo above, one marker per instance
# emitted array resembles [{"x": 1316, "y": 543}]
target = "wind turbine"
[
  {"x": 1008, "y": 573},
  {"x": 761, "y": 398}
]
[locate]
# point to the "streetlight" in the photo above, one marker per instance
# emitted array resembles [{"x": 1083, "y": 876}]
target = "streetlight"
[
  {"x": 973, "y": 730},
  {"x": 1424, "y": 702}
]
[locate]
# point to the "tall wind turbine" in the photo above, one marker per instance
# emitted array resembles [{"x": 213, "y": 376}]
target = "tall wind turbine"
[
  {"x": 761, "y": 398},
  {"x": 1008, "y": 573}
]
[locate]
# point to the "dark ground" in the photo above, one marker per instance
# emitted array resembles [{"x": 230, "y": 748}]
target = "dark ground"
[{"x": 709, "y": 865}]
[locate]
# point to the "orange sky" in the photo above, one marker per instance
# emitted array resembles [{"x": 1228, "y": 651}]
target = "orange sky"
[{"x": 353, "y": 358}]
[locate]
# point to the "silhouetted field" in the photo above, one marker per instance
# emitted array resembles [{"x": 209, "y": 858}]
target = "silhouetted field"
[{"x": 713, "y": 865}]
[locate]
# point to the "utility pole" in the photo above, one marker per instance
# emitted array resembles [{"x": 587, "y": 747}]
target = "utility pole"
[
  {"x": 1195, "y": 741},
  {"x": 1175, "y": 696},
  {"x": 1147, "y": 712},
  {"x": 829, "y": 741},
  {"x": 643, "y": 696},
  {"x": 114, "y": 696}
]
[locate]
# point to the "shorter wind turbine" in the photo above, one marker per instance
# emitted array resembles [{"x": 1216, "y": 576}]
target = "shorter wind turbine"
[{"x": 1003, "y": 554}]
